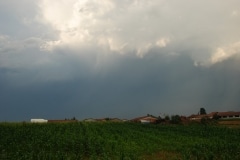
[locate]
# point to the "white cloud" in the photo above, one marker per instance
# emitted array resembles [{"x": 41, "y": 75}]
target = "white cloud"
[
  {"x": 163, "y": 42},
  {"x": 225, "y": 52},
  {"x": 235, "y": 13},
  {"x": 124, "y": 26},
  {"x": 119, "y": 27},
  {"x": 127, "y": 26}
]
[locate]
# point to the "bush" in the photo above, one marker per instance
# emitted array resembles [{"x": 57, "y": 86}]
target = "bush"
[{"x": 175, "y": 119}]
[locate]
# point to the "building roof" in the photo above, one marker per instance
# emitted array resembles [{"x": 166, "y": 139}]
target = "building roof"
[
  {"x": 39, "y": 120},
  {"x": 115, "y": 120},
  {"x": 230, "y": 113},
  {"x": 197, "y": 116},
  {"x": 150, "y": 118}
]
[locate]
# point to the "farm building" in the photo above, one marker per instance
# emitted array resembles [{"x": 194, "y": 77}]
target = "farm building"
[
  {"x": 198, "y": 117},
  {"x": 195, "y": 117},
  {"x": 115, "y": 120},
  {"x": 220, "y": 115},
  {"x": 228, "y": 115},
  {"x": 145, "y": 119},
  {"x": 39, "y": 121},
  {"x": 89, "y": 120}
]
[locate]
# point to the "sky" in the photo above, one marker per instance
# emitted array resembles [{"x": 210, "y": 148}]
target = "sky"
[{"x": 93, "y": 59}]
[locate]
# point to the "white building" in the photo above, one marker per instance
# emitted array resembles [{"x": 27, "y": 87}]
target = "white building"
[{"x": 39, "y": 121}]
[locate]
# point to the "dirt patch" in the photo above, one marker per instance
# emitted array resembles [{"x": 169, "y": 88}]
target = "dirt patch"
[
  {"x": 230, "y": 123},
  {"x": 236, "y": 122}
]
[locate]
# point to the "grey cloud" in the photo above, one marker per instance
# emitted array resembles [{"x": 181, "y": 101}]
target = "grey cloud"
[
  {"x": 14, "y": 14},
  {"x": 157, "y": 83}
]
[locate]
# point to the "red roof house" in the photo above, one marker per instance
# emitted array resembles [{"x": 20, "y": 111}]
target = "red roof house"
[{"x": 145, "y": 119}]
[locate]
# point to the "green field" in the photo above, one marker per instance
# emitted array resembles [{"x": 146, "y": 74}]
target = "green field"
[{"x": 123, "y": 141}]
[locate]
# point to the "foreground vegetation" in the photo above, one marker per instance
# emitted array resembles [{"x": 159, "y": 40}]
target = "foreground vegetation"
[{"x": 117, "y": 141}]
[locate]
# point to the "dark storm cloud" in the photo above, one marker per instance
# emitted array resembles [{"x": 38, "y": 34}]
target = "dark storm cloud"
[{"x": 158, "y": 83}]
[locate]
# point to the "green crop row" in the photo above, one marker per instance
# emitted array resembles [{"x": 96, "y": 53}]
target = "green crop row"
[{"x": 122, "y": 141}]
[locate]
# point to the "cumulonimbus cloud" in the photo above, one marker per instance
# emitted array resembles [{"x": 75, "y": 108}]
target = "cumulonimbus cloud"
[
  {"x": 125, "y": 26},
  {"x": 120, "y": 27},
  {"x": 137, "y": 26}
]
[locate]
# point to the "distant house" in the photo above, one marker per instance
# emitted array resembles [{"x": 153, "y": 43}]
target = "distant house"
[
  {"x": 220, "y": 115},
  {"x": 115, "y": 120},
  {"x": 89, "y": 120},
  {"x": 212, "y": 114},
  {"x": 145, "y": 119},
  {"x": 197, "y": 117},
  {"x": 229, "y": 115},
  {"x": 39, "y": 121},
  {"x": 125, "y": 120},
  {"x": 102, "y": 119},
  {"x": 184, "y": 119}
]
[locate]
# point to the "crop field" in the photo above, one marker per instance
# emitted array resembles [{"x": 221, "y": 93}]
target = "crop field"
[{"x": 120, "y": 141}]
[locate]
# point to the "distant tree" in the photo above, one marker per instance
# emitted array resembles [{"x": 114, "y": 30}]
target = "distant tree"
[
  {"x": 167, "y": 118},
  {"x": 159, "y": 120},
  {"x": 175, "y": 119},
  {"x": 74, "y": 118},
  {"x": 150, "y": 115},
  {"x": 202, "y": 111},
  {"x": 107, "y": 119}
]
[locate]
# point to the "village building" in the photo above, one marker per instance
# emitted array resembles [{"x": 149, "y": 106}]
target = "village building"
[
  {"x": 89, "y": 120},
  {"x": 229, "y": 115},
  {"x": 38, "y": 121},
  {"x": 145, "y": 119},
  {"x": 115, "y": 120},
  {"x": 218, "y": 115}
]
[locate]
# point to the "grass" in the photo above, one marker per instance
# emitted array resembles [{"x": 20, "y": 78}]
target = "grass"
[{"x": 123, "y": 141}]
